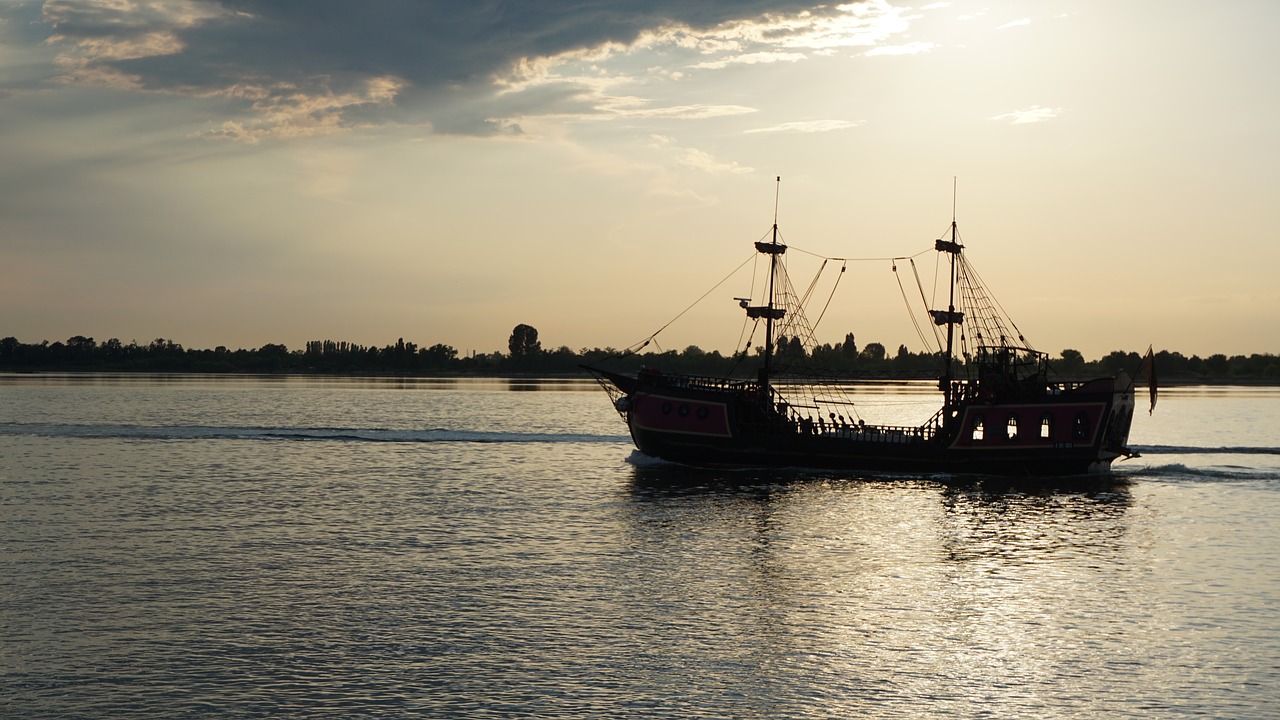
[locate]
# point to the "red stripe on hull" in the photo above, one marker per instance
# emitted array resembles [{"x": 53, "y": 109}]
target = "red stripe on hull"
[{"x": 680, "y": 415}]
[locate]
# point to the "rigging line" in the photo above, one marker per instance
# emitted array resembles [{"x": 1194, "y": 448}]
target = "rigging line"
[
  {"x": 743, "y": 333},
  {"x": 741, "y": 356},
  {"x": 937, "y": 339},
  {"x": 1000, "y": 307},
  {"x": 839, "y": 277},
  {"x": 920, "y": 333},
  {"x": 793, "y": 248},
  {"x": 937, "y": 267},
  {"x": 704, "y": 297},
  {"x": 750, "y": 294},
  {"x": 804, "y": 300}
]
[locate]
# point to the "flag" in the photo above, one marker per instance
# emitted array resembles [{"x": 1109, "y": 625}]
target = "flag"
[{"x": 1148, "y": 371}]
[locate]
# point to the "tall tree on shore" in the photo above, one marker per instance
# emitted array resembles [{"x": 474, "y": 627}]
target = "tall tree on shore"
[{"x": 524, "y": 342}]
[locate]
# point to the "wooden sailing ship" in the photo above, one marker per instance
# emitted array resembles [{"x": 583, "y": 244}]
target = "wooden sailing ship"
[{"x": 1000, "y": 411}]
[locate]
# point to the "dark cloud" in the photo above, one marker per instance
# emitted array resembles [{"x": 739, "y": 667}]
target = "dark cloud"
[
  {"x": 316, "y": 59},
  {"x": 449, "y": 41}
]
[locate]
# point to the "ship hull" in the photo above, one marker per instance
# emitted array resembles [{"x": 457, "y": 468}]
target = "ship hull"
[{"x": 1072, "y": 433}]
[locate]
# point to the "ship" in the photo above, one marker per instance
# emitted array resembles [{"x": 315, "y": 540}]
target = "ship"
[{"x": 1002, "y": 412}]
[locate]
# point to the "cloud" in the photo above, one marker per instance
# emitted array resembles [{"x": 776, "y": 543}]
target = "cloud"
[
  {"x": 756, "y": 58},
  {"x": 299, "y": 67},
  {"x": 914, "y": 48},
  {"x": 635, "y": 108},
  {"x": 1021, "y": 22},
  {"x": 701, "y": 160},
  {"x": 807, "y": 126},
  {"x": 1033, "y": 114}
]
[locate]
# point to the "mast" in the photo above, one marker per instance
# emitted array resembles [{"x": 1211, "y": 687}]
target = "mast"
[
  {"x": 951, "y": 306},
  {"x": 950, "y": 318},
  {"x": 769, "y": 311},
  {"x": 773, "y": 272}
]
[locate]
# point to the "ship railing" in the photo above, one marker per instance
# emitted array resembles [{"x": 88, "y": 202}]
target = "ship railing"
[
  {"x": 798, "y": 418},
  {"x": 859, "y": 431},
  {"x": 901, "y": 434},
  {"x": 697, "y": 382}
]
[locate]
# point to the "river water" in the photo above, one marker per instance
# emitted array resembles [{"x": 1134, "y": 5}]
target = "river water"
[{"x": 231, "y": 547}]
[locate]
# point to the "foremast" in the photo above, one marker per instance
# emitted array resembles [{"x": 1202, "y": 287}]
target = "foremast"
[
  {"x": 950, "y": 318},
  {"x": 770, "y": 310}
]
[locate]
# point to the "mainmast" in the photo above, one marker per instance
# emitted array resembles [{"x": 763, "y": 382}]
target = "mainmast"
[
  {"x": 769, "y": 311},
  {"x": 950, "y": 318}
]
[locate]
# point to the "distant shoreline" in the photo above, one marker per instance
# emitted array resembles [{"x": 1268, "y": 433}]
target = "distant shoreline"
[{"x": 1180, "y": 381}]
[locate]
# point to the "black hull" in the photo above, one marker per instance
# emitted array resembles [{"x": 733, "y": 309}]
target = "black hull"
[
  {"x": 720, "y": 424},
  {"x": 831, "y": 454}
]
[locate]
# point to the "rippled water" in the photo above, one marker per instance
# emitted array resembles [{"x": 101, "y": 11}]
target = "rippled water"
[{"x": 303, "y": 547}]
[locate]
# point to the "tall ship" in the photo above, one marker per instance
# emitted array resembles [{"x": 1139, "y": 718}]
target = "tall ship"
[{"x": 1000, "y": 412}]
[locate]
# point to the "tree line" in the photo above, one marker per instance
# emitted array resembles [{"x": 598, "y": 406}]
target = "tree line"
[{"x": 525, "y": 355}]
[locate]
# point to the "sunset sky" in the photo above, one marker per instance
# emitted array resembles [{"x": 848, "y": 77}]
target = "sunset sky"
[{"x": 242, "y": 172}]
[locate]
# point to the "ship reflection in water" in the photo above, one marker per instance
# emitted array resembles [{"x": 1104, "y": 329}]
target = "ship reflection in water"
[{"x": 887, "y": 593}]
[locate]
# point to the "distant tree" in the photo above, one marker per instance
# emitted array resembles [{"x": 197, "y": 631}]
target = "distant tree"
[
  {"x": 438, "y": 354},
  {"x": 849, "y": 348},
  {"x": 524, "y": 342},
  {"x": 1072, "y": 360},
  {"x": 112, "y": 349},
  {"x": 795, "y": 348},
  {"x": 1216, "y": 364},
  {"x": 874, "y": 352},
  {"x": 1118, "y": 360}
]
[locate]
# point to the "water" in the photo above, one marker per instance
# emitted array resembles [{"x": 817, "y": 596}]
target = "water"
[{"x": 309, "y": 547}]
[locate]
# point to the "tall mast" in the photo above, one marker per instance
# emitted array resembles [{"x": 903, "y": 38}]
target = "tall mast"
[
  {"x": 773, "y": 271},
  {"x": 769, "y": 311},
  {"x": 950, "y": 318},
  {"x": 951, "y": 304}
]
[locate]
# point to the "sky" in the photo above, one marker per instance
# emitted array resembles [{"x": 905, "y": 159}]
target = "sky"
[{"x": 244, "y": 172}]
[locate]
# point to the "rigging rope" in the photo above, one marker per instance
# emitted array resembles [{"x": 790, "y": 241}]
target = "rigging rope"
[
  {"x": 937, "y": 339},
  {"x": 994, "y": 304},
  {"x": 832, "y": 295},
  {"x": 912, "y": 315},
  {"x": 637, "y": 346},
  {"x": 859, "y": 259},
  {"x": 805, "y": 299}
]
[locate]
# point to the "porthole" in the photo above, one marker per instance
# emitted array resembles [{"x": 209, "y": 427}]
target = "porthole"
[{"x": 1080, "y": 427}]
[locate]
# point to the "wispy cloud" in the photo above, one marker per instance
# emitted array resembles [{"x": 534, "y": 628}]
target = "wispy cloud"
[
  {"x": 756, "y": 58},
  {"x": 704, "y": 161},
  {"x": 694, "y": 158},
  {"x": 1015, "y": 23},
  {"x": 632, "y": 109},
  {"x": 913, "y": 48},
  {"x": 1033, "y": 114},
  {"x": 807, "y": 126}
]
